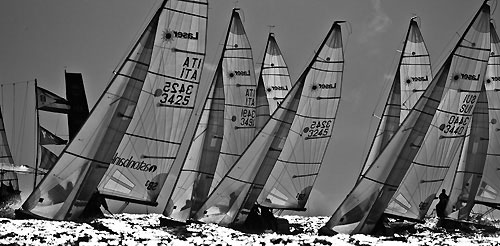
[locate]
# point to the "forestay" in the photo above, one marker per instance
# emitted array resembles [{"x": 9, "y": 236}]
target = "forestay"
[
  {"x": 489, "y": 190},
  {"x": 157, "y": 131},
  {"x": 290, "y": 182},
  {"x": 413, "y": 75},
  {"x": 432, "y": 121},
  {"x": 66, "y": 189}
]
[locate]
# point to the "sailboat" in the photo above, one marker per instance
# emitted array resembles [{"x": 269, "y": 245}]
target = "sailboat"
[
  {"x": 475, "y": 180},
  {"x": 309, "y": 104},
  {"x": 153, "y": 148},
  {"x": 227, "y": 124},
  {"x": 430, "y": 137},
  {"x": 160, "y": 73},
  {"x": 413, "y": 75}
]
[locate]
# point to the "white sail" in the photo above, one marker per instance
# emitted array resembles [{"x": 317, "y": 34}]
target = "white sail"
[
  {"x": 151, "y": 144},
  {"x": 274, "y": 74},
  {"x": 412, "y": 77},
  {"x": 439, "y": 119},
  {"x": 469, "y": 171},
  {"x": 66, "y": 189},
  {"x": 240, "y": 90},
  {"x": 290, "y": 182},
  {"x": 233, "y": 198},
  {"x": 443, "y": 143},
  {"x": 489, "y": 190},
  {"x": 198, "y": 171}
]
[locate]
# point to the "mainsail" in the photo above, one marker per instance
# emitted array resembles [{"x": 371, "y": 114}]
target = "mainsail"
[
  {"x": 240, "y": 90},
  {"x": 274, "y": 74},
  {"x": 464, "y": 180},
  {"x": 413, "y": 75},
  {"x": 197, "y": 173},
  {"x": 66, "y": 189},
  {"x": 311, "y": 100},
  {"x": 489, "y": 189},
  {"x": 439, "y": 119},
  {"x": 150, "y": 150}
]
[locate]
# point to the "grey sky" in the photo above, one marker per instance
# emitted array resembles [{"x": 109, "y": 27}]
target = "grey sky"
[{"x": 42, "y": 38}]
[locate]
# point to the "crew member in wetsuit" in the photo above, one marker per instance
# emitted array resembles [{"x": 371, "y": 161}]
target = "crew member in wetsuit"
[
  {"x": 441, "y": 206},
  {"x": 93, "y": 208},
  {"x": 268, "y": 218}
]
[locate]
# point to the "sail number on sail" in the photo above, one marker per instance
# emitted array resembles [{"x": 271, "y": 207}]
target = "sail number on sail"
[
  {"x": 178, "y": 93},
  {"x": 457, "y": 124},
  {"x": 248, "y": 115},
  {"x": 318, "y": 128}
]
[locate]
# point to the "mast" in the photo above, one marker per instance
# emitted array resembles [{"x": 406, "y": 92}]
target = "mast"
[{"x": 37, "y": 131}]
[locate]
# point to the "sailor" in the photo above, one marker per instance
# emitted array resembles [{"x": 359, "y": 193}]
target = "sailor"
[
  {"x": 441, "y": 206},
  {"x": 268, "y": 218},
  {"x": 93, "y": 208}
]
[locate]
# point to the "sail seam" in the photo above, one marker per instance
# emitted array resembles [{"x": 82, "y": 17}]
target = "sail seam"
[
  {"x": 415, "y": 64},
  {"x": 196, "y": 171},
  {"x": 238, "y": 57},
  {"x": 243, "y": 181},
  {"x": 189, "y": 52},
  {"x": 138, "y": 62},
  {"x": 304, "y": 175},
  {"x": 452, "y": 113},
  {"x": 427, "y": 165},
  {"x": 227, "y": 153},
  {"x": 275, "y": 74},
  {"x": 241, "y": 106},
  {"x": 326, "y": 71},
  {"x": 473, "y": 48},
  {"x": 470, "y": 58},
  {"x": 273, "y": 67},
  {"x": 186, "y": 13},
  {"x": 191, "y": 1},
  {"x": 130, "y": 77},
  {"x": 315, "y": 117},
  {"x": 415, "y": 56},
  {"x": 174, "y": 106},
  {"x": 299, "y": 163},
  {"x": 233, "y": 48},
  {"x": 149, "y": 138},
  {"x": 379, "y": 182},
  {"x": 86, "y": 158}
]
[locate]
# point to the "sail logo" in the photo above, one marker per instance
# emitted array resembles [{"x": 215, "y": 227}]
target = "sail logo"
[
  {"x": 186, "y": 35},
  {"x": 130, "y": 163},
  {"x": 420, "y": 78},
  {"x": 280, "y": 88},
  {"x": 242, "y": 73},
  {"x": 326, "y": 86},
  {"x": 470, "y": 76},
  {"x": 495, "y": 79}
]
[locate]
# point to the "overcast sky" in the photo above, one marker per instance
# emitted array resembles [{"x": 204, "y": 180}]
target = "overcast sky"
[{"x": 40, "y": 39}]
